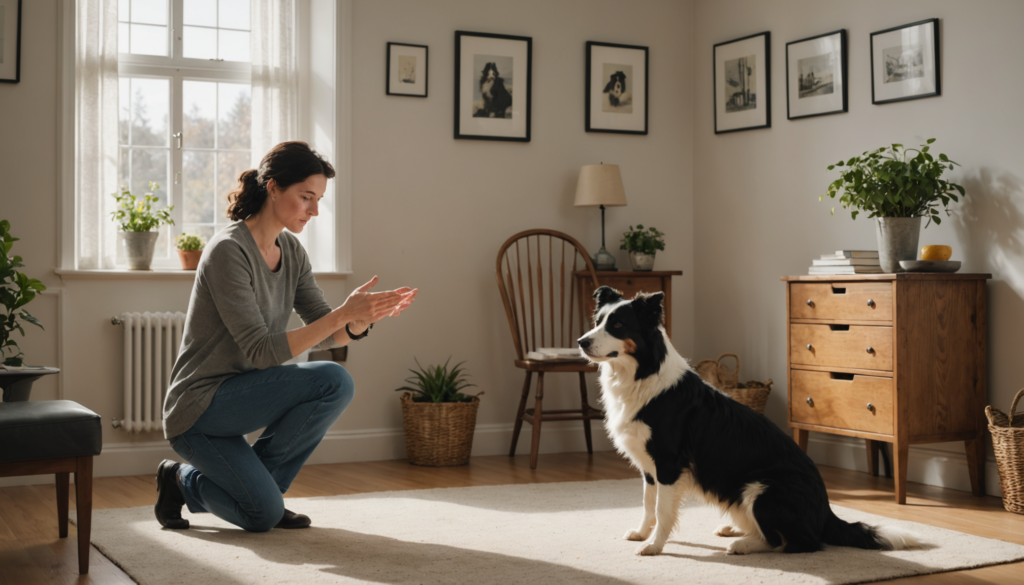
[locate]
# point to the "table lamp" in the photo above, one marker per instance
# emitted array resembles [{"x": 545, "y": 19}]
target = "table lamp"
[{"x": 601, "y": 185}]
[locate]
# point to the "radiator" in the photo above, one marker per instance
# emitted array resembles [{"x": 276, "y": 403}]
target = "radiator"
[{"x": 151, "y": 343}]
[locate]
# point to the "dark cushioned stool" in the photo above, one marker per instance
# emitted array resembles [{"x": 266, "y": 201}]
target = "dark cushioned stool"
[{"x": 59, "y": 437}]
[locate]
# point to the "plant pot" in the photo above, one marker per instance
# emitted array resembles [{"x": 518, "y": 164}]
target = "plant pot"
[
  {"x": 897, "y": 240},
  {"x": 189, "y": 259},
  {"x": 138, "y": 249},
  {"x": 438, "y": 434},
  {"x": 17, "y": 384},
  {"x": 641, "y": 261}
]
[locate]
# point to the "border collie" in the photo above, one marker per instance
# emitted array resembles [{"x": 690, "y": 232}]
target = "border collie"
[
  {"x": 497, "y": 99},
  {"x": 615, "y": 87},
  {"x": 689, "y": 439}
]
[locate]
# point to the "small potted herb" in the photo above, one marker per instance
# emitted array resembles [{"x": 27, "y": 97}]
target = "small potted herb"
[
  {"x": 190, "y": 249},
  {"x": 439, "y": 420},
  {"x": 642, "y": 244},
  {"x": 16, "y": 291},
  {"x": 138, "y": 222}
]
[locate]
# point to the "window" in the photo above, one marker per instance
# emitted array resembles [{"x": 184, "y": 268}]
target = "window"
[{"x": 184, "y": 108}]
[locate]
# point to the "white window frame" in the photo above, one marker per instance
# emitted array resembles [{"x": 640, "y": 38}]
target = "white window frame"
[{"x": 325, "y": 120}]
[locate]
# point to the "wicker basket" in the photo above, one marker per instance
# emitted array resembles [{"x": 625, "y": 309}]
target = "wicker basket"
[
  {"x": 753, "y": 394},
  {"x": 438, "y": 434},
  {"x": 1008, "y": 443}
]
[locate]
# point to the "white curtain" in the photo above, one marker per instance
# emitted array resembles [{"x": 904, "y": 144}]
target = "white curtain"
[
  {"x": 96, "y": 128},
  {"x": 275, "y": 76}
]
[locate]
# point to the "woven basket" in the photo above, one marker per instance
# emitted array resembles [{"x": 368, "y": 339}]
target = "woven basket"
[
  {"x": 438, "y": 434},
  {"x": 753, "y": 394},
  {"x": 1008, "y": 443}
]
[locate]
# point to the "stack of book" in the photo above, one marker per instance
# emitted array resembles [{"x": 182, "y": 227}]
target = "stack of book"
[{"x": 847, "y": 262}]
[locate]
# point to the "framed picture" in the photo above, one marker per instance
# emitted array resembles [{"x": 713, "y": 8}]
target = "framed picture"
[
  {"x": 407, "y": 70},
  {"x": 816, "y": 76},
  {"x": 492, "y": 86},
  {"x": 741, "y": 82},
  {"x": 10, "y": 41},
  {"x": 905, "y": 62},
  {"x": 616, "y": 98}
]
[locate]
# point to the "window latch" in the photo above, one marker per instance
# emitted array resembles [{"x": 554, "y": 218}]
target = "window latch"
[{"x": 177, "y": 136}]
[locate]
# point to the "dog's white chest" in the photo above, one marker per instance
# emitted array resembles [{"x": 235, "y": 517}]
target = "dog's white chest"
[{"x": 629, "y": 435}]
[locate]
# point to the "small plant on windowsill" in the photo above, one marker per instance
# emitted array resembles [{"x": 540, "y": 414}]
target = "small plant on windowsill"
[
  {"x": 438, "y": 418},
  {"x": 139, "y": 221},
  {"x": 16, "y": 291},
  {"x": 642, "y": 244},
  {"x": 190, "y": 250}
]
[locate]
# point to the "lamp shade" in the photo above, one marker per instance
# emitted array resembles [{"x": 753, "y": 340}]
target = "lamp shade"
[{"x": 600, "y": 185}]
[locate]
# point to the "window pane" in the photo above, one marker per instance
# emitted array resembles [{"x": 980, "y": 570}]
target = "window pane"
[
  {"x": 229, "y": 166},
  {"x": 149, "y": 40},
  {"x": 201, "y": 12},
  {"x": 234, "y": 45},
  {"x": 234, "y": 14},
  {"x": 149, "y": 164},
  {"x": 149, "y": 111},
  {"x": 197, "y": 170},
  {"x": 124, "y": 92},
  {"x": 199, "y": 114},
  {"x": 149, "y": 11},
  {"x": 122, "y": 37},
  {"x": 204, "y": 231},
  {"x": 235, "y": 116},
  {"x": 122, "y": 10},
  {"x": 199, "y": 43},
  {"x": 124, "y": 167}
]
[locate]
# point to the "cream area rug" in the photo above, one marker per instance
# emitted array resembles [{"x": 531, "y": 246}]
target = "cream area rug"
[{"x": 537, "y": 533}]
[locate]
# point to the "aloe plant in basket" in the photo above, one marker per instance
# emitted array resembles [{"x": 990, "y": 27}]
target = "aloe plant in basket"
[{"x": 439, "y": 420}]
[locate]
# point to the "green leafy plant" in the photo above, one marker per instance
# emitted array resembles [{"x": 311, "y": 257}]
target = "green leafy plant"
[
  {"x": 644, "y": 241},
  {"x": 137, "y": 215},
  {"x": 438, "y": 383},
  {"x": 889, "y": 182},
  {"x": 16, "y": 291},
  {"x": 189, "y": 242}
]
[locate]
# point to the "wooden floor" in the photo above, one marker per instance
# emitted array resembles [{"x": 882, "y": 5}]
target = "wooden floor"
[{"x": 30, "y": 551}]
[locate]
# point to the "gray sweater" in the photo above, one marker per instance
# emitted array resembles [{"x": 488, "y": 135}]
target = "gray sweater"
[{"x": 237, "y": 319}]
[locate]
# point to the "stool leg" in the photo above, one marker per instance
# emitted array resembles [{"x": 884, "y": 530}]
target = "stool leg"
[
  {"x": 519, "y": 414},
  {"x": 62, "y": 503},
  {"x": 586, "y": 412},
  {"x": 83, "y": 504},
  {"x": 538, "y": 412}
]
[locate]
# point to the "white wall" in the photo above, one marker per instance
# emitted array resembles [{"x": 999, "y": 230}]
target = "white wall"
[
  {"x": 757, "y": 191},
  {"x": 428, "y": 211}
]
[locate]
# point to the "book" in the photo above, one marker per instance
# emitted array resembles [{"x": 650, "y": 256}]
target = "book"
[
  {"x": 846, "y": 262},
  {"x": 855, "y": 254},
  {"x": 556, "y": 354},
  {"x": 844, "y": 270}
]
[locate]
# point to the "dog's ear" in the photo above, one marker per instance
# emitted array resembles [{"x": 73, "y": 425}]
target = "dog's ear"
[
  {"x": 606, "y": 295},
  {"x": 649, "y": 307}
]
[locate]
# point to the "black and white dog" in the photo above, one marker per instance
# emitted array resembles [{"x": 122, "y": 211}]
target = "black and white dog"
[
  {"x": 615, "y": 87},
  {"x": 497, "y": 99},
  {"x": 689, "y": 439}
]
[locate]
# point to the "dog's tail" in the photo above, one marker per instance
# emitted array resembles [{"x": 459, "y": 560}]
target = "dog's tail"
[{"x": 860, "y": 535}]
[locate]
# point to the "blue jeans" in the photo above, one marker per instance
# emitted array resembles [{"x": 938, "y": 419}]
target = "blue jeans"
[{"x": 244, "y": 484}]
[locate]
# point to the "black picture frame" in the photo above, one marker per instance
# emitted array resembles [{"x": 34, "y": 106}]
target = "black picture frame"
[
  {"x": 506, "y": 115},
  {"x": 727, "y": 106},
  {"x": 812, "y": 50},
  {"x": 398, "y": 73},
  {"x": 10, "y": 50},
  {"x": 610, "y": 114},
  {"x": 906, "y": 87}
]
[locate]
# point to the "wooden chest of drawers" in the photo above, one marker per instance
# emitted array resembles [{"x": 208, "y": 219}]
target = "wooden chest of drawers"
[
  {"x": 628, "y": 283},
  {"x": 890, "y": 358}
]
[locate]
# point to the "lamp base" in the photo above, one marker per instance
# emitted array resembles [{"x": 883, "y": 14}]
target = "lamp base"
[{"x": 604, "y": 261}]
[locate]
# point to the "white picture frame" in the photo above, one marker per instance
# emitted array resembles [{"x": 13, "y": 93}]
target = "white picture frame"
[{"x": 742, "y": 83}]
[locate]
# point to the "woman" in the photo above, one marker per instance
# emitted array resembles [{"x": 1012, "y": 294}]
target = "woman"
[{"x": 228, "y": 379}]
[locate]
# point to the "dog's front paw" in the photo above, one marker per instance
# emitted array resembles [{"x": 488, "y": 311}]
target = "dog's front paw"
[
  {"x": 635, "y": 535},
  {"x": 746, "y": 546},
  {"x": 727, "y": 530},
  {"x": 650, "y": 549}
]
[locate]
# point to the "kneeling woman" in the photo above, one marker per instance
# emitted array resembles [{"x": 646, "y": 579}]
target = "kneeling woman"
[{"x": 228, "y": 379}]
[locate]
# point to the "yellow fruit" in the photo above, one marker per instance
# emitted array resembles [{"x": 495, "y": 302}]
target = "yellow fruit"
[{"x": 940, "y": 253}]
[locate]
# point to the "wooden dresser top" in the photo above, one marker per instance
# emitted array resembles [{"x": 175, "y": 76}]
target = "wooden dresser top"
[{"x": 896, "y": 276}]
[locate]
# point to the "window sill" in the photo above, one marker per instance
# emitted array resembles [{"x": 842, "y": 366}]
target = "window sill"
[{"x": 159, "y": 274}]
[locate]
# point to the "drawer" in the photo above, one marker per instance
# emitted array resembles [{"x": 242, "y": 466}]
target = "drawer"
[
  {"x": 630, "y": 285},
  {"x": 842, "y": 301},
  {"x": 862, "y": 347},
  {"x": 841, "y": 401}
]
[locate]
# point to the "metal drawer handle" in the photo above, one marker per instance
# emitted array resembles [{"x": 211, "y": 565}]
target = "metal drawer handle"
[
  {"x": 810, "y": 303},
  {"x": 871, "y": 350},
  {"x": 871, "y": 407},
  {"x": 871, "y": 303},
  {"x": 809, "y": 346},
  {"x": 809, "y": 401}
]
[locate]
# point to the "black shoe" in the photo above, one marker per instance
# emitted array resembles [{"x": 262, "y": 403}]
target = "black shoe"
[
  {"x": 169, "y": 499},
  {"x": 293, "y": 520}
]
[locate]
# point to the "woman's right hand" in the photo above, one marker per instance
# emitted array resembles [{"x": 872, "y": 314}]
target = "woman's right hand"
[{"x": 369, "y": 307}]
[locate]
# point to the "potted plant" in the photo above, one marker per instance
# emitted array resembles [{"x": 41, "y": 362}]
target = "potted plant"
[
  {"x": 896, "y": 189},
  {"x": 138, "y": 220},
  {"x": 642, "y": 246},
  {"x": 190, "y": 249},
  {"x": 439, "y": 420}
]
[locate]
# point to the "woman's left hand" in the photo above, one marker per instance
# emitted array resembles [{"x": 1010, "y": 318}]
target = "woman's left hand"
[{"x": 406, "y": 296}]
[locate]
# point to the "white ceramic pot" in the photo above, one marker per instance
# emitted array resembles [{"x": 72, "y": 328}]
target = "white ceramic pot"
[
  {"x": 641, "y": 261},
  {"x": 138, "y": 249}
]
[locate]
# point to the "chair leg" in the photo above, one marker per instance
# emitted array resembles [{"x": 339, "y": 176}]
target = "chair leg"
[
  {"x": 538, "y": 413},
  {"x": 83, "y": 504},
  {"x": 519, "y": 414},
  {"x": 62, "y": 503},
  {"x": 586, "y": 412}
]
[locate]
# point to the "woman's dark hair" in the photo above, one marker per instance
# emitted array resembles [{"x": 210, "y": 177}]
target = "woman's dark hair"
[{"x": 287, "y": 163}]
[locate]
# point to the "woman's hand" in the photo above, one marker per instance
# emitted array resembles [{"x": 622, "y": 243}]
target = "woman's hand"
[{"x": 362, "y": 308}]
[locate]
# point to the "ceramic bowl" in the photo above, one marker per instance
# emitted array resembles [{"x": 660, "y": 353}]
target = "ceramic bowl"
[{"x": 930, "y": 265}]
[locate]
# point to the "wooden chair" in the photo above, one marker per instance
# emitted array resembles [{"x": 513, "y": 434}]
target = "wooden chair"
[{"x": 535, "y": 276}]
